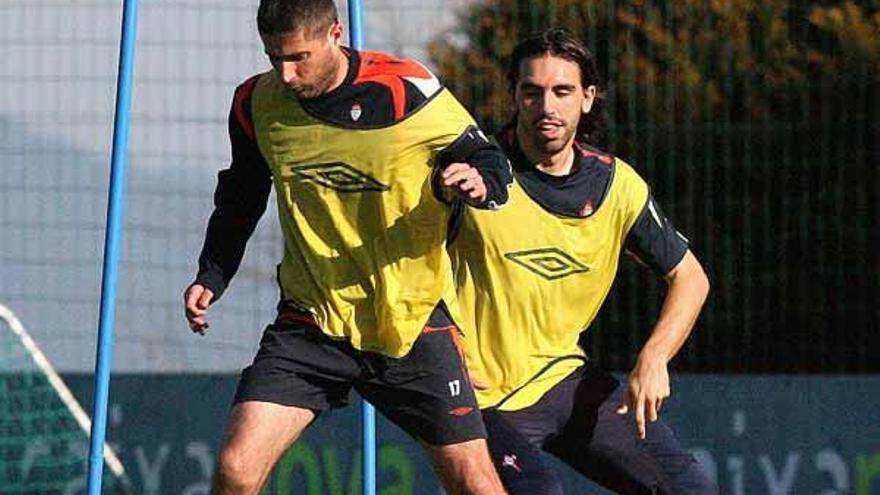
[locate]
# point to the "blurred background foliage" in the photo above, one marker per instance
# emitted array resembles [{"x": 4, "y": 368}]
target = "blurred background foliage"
[{"x": 756, "y": 125}]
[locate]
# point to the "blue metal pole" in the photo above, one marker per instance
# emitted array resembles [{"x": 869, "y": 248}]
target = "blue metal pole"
[
  {"x": 355, "y": 24},
  {"x": 112, "y": 245},
  {"x": 368, "y": 414}
]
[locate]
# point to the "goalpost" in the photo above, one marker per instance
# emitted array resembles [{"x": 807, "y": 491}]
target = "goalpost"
[{"x": 44, "y": 430}]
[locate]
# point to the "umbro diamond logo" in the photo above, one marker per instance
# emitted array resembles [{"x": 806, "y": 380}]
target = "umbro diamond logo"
[
  {"x": 339, "y": 177},
  {"x": 550, "y": 263}
]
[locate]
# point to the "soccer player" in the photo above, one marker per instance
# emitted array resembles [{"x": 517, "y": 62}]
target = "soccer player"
[
  {"x": 533, "y": 276},
  {"x": 366, "y": 152}
]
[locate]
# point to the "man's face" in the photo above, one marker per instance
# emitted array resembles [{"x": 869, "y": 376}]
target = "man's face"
[
  {"x": 550, "y": 100},
  {"x": 309, "y": 66}
]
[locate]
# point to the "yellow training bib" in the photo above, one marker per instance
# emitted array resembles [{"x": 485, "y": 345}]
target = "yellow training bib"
[
  {"x": 530, "y": 281},
  {"x": 364, "y": 237}
]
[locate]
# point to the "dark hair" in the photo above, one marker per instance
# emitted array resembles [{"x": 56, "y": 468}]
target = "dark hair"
[
  {"x": 559, "y": 42},
  {"x": 311, "y": 17}
]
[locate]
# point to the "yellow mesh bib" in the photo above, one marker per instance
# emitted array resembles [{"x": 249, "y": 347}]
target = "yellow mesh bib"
[
  {"x": 529, "y": 281},
  {"x": 364, "y": 237}
]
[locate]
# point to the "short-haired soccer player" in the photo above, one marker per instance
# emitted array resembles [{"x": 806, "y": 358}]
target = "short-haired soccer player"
[
  {"x": 533, "y": 276},
  {"x": 365, "y": 152}
]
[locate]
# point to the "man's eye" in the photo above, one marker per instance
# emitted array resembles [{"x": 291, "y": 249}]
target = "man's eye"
[{"x": 276, "y": 59}]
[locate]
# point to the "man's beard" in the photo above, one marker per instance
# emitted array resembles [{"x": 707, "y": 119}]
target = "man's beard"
[
  {"x": 322, "y": 86},
  {"x": 551, "y": 147},
  {"x": 547, "y": 147}
]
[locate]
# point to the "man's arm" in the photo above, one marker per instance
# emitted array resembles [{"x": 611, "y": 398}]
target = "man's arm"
[
  {"x": 239, "y": 202},
  {"x": 476, "y": 169},
  {"x": 655, "y": 242},
  {"x": 648, "y": 382}
]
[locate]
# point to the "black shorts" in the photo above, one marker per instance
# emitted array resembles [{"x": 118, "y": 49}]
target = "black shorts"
[
  {"x": 577, "y": 422},
  {"x": 426, "y": 393}
]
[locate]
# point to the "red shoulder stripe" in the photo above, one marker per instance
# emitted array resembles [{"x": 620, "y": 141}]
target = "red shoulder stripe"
[
  {"x": 389, "y": 71},
  {"x": 240, "y": 105},
  {"x": 588, "y": 153}
]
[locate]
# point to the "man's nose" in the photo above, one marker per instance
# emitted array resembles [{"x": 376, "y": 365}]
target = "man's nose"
[
  {"x": 548, "y": 104},
  {"x": 288, "y": 72}
]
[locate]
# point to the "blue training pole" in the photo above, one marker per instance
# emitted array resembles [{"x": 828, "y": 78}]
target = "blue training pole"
[
  {"x": 368, "y": 414},
  {"x": 111, "y": 246}
]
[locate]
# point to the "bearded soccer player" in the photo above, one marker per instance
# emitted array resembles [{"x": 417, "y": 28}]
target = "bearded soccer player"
[
  {"x": 365, "y": 152},
  {"x": 533, "y": 276}
]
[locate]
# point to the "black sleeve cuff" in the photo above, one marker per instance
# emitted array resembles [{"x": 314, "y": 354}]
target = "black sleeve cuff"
[
  {"x": 497, "y": 176},
  {"x": 212, "y": 280},
  {"x": 474, "y": 148}
]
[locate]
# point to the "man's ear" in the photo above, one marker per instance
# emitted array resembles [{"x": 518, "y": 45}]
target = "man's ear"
[
  {"x": 589, "y": 98},
  {"x": 335, "y": 33}
]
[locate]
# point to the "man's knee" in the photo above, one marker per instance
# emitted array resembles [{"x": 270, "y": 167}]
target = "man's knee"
[
  {"x": 481, "y": 482},
  {"x": 466, "y": 468},
  {"x": 236, "y": 474},
  {"x": 257, "y": 435}
]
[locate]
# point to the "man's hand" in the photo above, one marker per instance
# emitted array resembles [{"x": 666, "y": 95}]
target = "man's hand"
[
  {"x": 465, "y": 181},
  {"x": 646, "y": 389},
  {"x": 196, "y": 300}
]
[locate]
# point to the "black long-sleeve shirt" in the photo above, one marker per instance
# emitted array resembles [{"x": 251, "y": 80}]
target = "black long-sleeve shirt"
[{"x": 243, "y": 189}]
